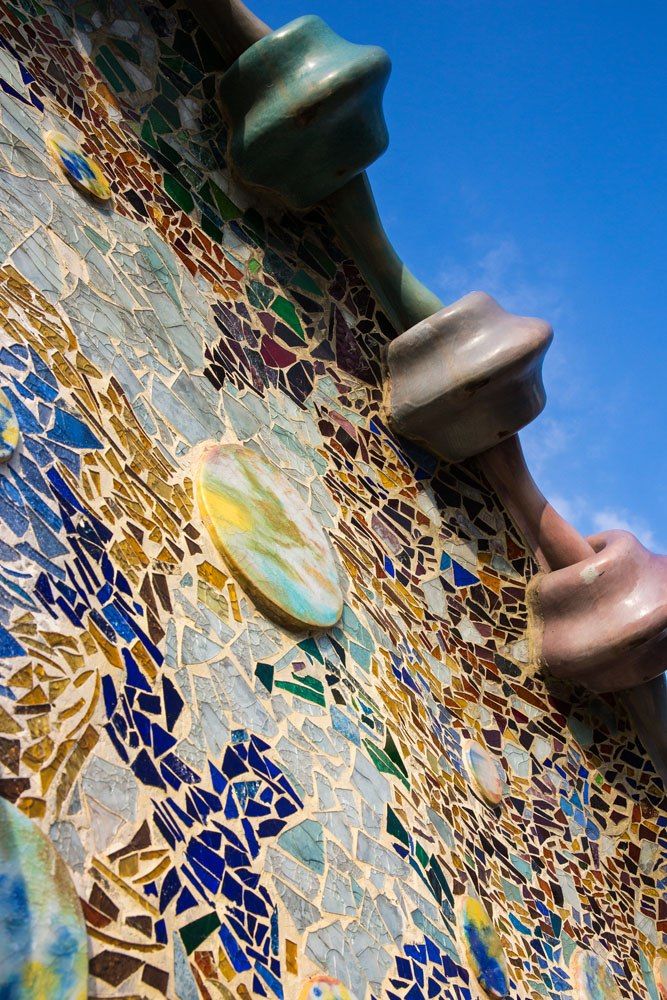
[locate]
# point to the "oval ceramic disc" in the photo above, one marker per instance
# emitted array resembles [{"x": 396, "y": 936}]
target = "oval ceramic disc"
[
  {"x": 485, "y": 772},
  {"x": 324, "y": 988},
  {"x": 482, "y": 946},
  {"x": 592, "y": 979},
  {"x": 9, "y": 429},
  {"x": 268, "y": 537},
  {"x": 82, "y": 170},
  {"x": 43, "y": 944}
]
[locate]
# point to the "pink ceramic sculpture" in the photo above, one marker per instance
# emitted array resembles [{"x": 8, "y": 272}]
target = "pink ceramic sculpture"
[
  {"x": 600, "y": 607},
  {"x": 604, "y": 619}
]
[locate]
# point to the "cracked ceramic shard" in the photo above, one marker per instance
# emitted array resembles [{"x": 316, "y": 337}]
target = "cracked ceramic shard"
[
  {"x": 43, "y": 941},
  {"x": 467, "y": 377},
  {"x": 305, "y": 110},
  {"x": 268, "y": 537},
  {"x": 603, "y": 621},
  {"x": 83, "y": 171}
]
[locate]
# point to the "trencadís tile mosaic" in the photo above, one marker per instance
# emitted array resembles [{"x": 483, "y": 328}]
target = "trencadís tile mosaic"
[{"x": 248, "y": 811}]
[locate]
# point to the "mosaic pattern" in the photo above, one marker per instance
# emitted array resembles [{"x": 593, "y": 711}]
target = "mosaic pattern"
[
  {"x": 242, "y": 807},
  {"x": 268, "y": 537},
  {"x": 9, "y": 428},
  {"x": 43, "y": 946},
  {"x": 80, "y": 169}
]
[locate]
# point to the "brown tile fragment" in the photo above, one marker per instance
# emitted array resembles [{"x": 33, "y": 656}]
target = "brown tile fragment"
[{"x": 113, "y": 967}]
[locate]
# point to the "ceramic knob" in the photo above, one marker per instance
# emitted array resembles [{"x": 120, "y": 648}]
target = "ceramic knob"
[
  {"x": 603, "y": 621},
  {"x": 467, "y": 377},
  {"x": 305, "y": 111}
]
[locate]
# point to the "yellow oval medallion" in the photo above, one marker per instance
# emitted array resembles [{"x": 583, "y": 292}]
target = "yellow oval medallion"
[
  {"x": 82, "y": 170},
  {"x": 485, "y": 772},
  {"x": 592, "y": 979},
  {"x": 9, "y": 429},
  {"x": 268, "y": 537},
  {"x": 43, "y": 941},
  {"x": 324, "y": 988}
]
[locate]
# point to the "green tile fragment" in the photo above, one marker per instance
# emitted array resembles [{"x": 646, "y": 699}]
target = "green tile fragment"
[
  {"x": 310, "y": 646},
  {"x": 283, "y": 308},
  {"x": 97, "y": 239},
  {"x": 178, "y": 193},
  {"x": 259, "y": 296},
  {"x": 384, "y": 763},
  {"x": 254, "y": 223},
  {"x": 393, "y": 753},
  {"x": 311, "y": 682},
  {"x": 303, "y": 281},
  {"x": 158, "y": 122},
  {"x": 168, "y": 110},
  {"x": 264, "y": 672},
  {"x": 321, "y": 257},
  {"x": 211, "y": 229},
  {"x": 109, "y": 65},
  {"x": 439, "y": 876},
  {"x": 254, "y": 266},
  {"x": 224, "y": 204},
  {"x": 196, "y": 933},
  {"x": 395, "y": 828},
  {"x": 302, "y": 691},
  {"x": 422, "y": 856},
  {"x": 277, "y": 268},
  {"x": 128, "y": 51}
]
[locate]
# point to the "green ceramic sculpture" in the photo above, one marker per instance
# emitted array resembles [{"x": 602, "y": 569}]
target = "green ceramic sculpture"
[{"x": 305, "y": 110}]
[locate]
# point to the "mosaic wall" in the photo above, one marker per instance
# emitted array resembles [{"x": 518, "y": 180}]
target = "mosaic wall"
[{"x": 393, "y": 806}]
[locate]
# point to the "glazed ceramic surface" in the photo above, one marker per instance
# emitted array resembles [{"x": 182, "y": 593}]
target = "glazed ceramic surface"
[
  {"x": 241, "y": 807},
  {"x": 485, "y": 772},
  {"x": 43, "y": 945},
  {"x": 268, "y": 536},
  {"x": 305, "y": 108},
  {"x": 9, "y": 428},
  {"x": 83, "y": 171},
  {"x": 660, "y": 975},
  {"x": 325, "y": 988},
  {"x": 592, "y": 978},
  {"x": 483, "y": 947}
]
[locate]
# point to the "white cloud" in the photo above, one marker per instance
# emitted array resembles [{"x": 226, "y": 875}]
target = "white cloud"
[
  {"x": 573, "y": 509},
  {"x": 607, "y": 518},
  {"x": 498, "y": 267},
  {"x": 580, "y": 512},
  {"x": 543, "y": 441}
]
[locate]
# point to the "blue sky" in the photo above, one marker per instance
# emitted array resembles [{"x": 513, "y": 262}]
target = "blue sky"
[{"x": 528, "y": 158}]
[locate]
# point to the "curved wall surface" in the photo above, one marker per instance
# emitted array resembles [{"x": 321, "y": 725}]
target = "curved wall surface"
[{"x": 398, "y": 801}]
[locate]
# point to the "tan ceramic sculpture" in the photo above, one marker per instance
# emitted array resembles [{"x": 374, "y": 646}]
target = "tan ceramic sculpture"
[{"x": 467, "y": 377}]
